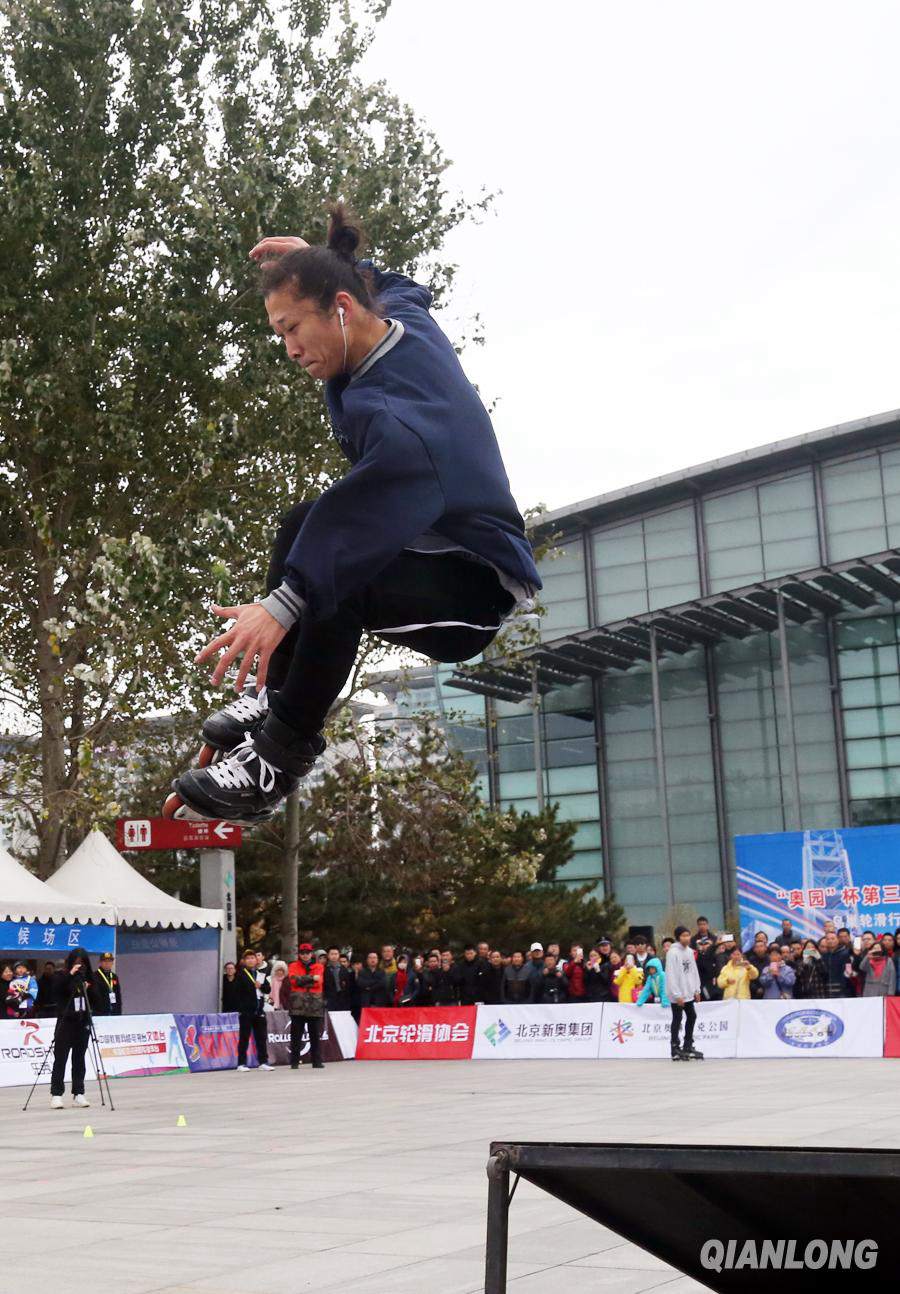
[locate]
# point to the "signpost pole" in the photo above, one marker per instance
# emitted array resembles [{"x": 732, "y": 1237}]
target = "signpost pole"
[{"x": 217, "y": 891}]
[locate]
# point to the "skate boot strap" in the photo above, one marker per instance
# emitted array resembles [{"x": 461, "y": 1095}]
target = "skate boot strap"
[{"x": 285, "y": 749}]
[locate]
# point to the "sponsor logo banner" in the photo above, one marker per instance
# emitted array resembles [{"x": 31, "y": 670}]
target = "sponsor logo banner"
[
  {"x": 530, "y": 1032},
  {"x": 135, "y": 1046},
  {"x": 279, "y": 1040},
  {"x": 23, "y": 1046},
  {"x": 821, "y": 1027},
  {"x": 429, "y": 1033},
  {"x": 209, "y": 1041},
  {"x": 630, "y": 1031}
]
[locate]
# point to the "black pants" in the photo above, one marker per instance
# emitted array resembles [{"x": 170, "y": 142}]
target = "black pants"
[
  {"x": 299, "y": 1025},
  {"x": 72, "y": 1035},
  {"x": 689, "y": 1011},
  {"x": 314, "y": 660},
  {"x": 255, "y": 1024}
]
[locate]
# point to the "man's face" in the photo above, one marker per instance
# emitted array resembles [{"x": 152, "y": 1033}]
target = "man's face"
[
  {"x": 844, "y": 938},
  {"x": 433, "y": 962},
  {"x": 496, "y": 958},
  {"x": 334, "y": 957},
  {"x": 250, "y": 961},
  {"x": 550, "y": 962},
  {"x": 796, "y": 948},
  {"x": 49, "y": 968},
  {"x": 260, "y": 959},
  {"x": 640, "y": 947},
  {"x": 518, "y": 959},
  {"x": 469, "y": 954},
  {"x": 106, "y": 964},
  {"x": 868, "y": 939},
  {"x": 345, "y": 961},
  {"x": 553, "y": 950},
  {"x": 446, "y": 961},
  {"x": 632, "y": 949},
  {"x": 387, "y": 953},
  {"x": 831, "y": 942},
  {"x": 313, "y": 339},
  {"x": 684, "y": 938},
  {"x": 702, "y": 926},
  {"x": 483, "y": 949},
  {"x": 372, "y": 961},
  {"x": 830, "y": 928},
  {"x": 230, "y": 969},
  {"x": 604, "y": 949},
  {"x": 536, "y": 955}
]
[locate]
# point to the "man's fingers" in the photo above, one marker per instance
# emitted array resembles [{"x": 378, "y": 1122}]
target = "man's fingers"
[
  {"x": 244, "y": 671},
  {"x": 221, "y": 669},
  {"x": 223, "y": 640},
  {"x": 229, "y": 613}
]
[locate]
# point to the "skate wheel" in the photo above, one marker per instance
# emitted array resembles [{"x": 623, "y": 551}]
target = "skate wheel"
[
  {"x": 208, "y": 755},
  {"x": 173, "y": 803}
]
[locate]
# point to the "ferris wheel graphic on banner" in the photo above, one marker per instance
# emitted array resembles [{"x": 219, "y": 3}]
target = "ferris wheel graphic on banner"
[{"x": 826, "y": 868}]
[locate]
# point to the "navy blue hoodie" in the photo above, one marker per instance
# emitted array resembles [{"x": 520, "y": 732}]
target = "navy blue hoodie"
[{"x": 424, "y": 458}]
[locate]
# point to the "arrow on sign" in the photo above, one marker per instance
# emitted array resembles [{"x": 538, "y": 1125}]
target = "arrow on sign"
[{"x": 223, "y": 830}]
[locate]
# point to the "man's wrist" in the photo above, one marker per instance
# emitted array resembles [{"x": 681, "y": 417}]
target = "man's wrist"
[{"x": 284, "y": 604}]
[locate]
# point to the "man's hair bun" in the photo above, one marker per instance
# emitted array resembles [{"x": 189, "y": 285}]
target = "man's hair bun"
[{"x": 344, "y": 232}]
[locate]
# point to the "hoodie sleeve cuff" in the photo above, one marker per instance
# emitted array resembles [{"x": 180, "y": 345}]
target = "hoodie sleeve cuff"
[{"x": 285, "y": 605}]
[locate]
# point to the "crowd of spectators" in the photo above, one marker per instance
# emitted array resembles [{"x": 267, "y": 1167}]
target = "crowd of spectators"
[
  {"x": 28, "y": 990},
  {"x": 835, "y": 965}
]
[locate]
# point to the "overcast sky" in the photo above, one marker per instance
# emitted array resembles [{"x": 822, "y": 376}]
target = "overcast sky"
[{"x": 697, "y": 244}]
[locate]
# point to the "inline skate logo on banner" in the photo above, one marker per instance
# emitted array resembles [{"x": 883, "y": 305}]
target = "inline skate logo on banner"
[{"x": 810, "y": 1028}]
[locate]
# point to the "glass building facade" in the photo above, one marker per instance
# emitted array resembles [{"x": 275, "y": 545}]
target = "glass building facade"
[{"x": 663, "y": 757}]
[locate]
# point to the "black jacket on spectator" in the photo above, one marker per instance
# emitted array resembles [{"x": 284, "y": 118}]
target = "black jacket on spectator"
[
  {"x": 247, "y": 1000},
  {"x": 45, "y": 1004},
  {"x": 516, "y": 984},
  {"x": 552, "y": 988},
  {"x": 106, "y": 982},
  {"x": 372, "y": 988},
  {"x": 837, "y": 983},
  {"x": 760, "y": 961},
  {"x": 444, "y": 987},
  {"x": 67, "y": 991},
  {"x": 708, "y": 972},
  {"x": 812, "y": 978},
  {"x": 471, "y": 978},
  {"x": 338, "y": 986},
  {"x": 229, "y": 994},
  {"x": 493, "y": 985},
  {"x": 597, "y": 979}
]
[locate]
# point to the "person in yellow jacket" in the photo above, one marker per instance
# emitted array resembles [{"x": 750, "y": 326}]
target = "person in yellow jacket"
[
  {"x": 628, "y": 979},
  {"x": 735, "y": 977}
]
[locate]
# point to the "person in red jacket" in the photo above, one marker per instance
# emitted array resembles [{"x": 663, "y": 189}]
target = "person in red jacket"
[
  {"x": 304, "y": 989},
  {"x": 574, "y": 972}
]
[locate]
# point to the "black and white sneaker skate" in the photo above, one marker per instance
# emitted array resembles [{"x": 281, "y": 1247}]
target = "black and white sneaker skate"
[
  {"x": 227, "y": 728},
  {"x": 680, "y": 1055},
  {"x": 691, "y": 1053},
  {"x": 250, "y": 782}
]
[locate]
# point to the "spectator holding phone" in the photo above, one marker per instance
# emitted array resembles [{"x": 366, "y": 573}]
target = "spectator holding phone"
[
  {"x": 628, "y": 979},
  {"x": 777, "y": 979},
  {"x": 736, "y": 976},
  {"x": 881, "y": 977},
  {"x": 574, "y": 973},
  {"x": 811, "y": 979}
]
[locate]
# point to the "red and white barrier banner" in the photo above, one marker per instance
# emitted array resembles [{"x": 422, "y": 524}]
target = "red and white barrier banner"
[
  {"x": 429, "y": 1033},
  {"x": 821, "y": 1027},
  {"x": 570, "y": 1030},
  {"x": 631, "y": 1032},
  {"x": 892, "y": 1027}
]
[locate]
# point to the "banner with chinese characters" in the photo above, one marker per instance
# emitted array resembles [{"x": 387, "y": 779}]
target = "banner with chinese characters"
[
  {"x": 629, "y": 1032},
  {"x": 429, "y": 1033},
  {"x": 849, "y": 876},
  {"x": 834, "y": 1026},
  {"x": 279, "y": 1040},
  {"x": 136, "y": 1046},
  {"x": 52, "y": 939},
  {"x": 570, "y": 1030}
]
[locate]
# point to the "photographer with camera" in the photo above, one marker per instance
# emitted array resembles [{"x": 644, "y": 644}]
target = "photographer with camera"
[{"x": 71, "y": 987}]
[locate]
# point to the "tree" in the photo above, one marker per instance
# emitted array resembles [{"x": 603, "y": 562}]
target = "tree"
[
  {"x": 395, "y": 842},
  {"x": 150, "y": 433}
]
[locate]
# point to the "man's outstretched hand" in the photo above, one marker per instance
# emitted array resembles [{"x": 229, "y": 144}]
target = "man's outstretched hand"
[
  {"x": 254, "y": 635},
  {"x": 280, "y": 245}
]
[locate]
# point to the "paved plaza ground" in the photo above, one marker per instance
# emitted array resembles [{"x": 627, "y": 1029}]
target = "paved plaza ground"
[{"x": 370, "y": 1177}]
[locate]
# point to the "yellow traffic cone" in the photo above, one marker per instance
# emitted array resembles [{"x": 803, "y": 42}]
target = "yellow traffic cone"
[
  {"x": 89, "y": 1131},
  {"x": 182, "y": 1122}
]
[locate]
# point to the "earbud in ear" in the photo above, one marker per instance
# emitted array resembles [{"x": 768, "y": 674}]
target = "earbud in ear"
[{"x": 341, "y": 313}]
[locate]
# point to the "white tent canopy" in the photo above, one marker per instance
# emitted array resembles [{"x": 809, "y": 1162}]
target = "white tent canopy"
[
  {"x": 97, "y": 873},
  {"x": 23, "y": 897}
]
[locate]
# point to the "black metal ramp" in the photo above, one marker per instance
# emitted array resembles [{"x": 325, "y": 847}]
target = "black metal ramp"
[{"x": 734, "y": 1218}]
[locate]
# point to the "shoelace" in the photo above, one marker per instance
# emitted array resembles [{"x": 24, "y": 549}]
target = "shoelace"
[
  {"x": 248, "y": 706},
  {"x": 232, "y": 773}
]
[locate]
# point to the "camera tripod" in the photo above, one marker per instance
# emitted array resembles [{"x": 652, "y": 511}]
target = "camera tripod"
[{"x": 93, "y": 1047}]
